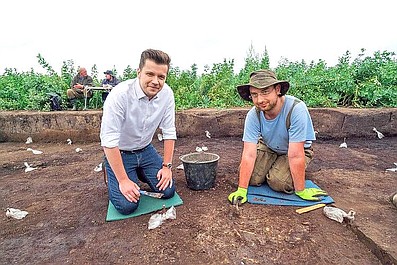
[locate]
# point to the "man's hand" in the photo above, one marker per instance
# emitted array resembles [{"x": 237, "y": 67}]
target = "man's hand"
[
  {"x": 311, "y": 194},
  {"x": 239, "y": 195},
  {"x": 165, "y": 178},
  {"x": 78, "y": 86},
  {"x": 130, "y": 190}
]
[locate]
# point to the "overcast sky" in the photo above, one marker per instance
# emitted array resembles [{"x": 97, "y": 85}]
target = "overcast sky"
[{"x": 114, "y": 33}]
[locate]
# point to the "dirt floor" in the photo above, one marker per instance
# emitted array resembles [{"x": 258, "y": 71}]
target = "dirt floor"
[{"x": 67, "y": 203}]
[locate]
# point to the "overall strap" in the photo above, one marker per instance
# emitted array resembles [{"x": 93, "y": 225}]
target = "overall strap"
[
  {"x": 258, "y": 111},
  {"x": 288, "y": 120}
]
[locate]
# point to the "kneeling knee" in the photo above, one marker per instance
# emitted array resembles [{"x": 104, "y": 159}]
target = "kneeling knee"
[
  {"x": 126, "y": 208},
  {"x": 169, "y": 193},
  {"x": 279, "y": 185},
  {"x": 256, "y": 182}
]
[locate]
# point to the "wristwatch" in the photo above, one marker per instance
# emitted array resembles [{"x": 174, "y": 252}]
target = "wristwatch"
[{"x": 168, "y": 165}]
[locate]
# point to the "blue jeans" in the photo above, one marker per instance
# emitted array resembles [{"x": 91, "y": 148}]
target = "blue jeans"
[{"x": 142, "y": 165}]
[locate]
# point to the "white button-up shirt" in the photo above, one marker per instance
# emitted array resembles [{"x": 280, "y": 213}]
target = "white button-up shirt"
[{"x": 130, "y": 120}]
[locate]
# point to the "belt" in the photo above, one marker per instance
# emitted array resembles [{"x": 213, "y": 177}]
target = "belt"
[{"x": 134, "y": 151}]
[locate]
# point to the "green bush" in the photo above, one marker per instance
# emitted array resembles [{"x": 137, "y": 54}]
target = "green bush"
[{"x": 362, "y": 82}]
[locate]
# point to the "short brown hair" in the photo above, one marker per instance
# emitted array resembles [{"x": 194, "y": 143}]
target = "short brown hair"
[{"x": 159, "y": 57}]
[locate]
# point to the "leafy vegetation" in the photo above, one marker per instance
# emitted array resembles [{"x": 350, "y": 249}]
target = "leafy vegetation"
[{"x": 363, "y": 82}]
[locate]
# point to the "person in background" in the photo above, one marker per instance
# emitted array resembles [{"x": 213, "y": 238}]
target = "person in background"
[
  {"x": 131, "y": 115},
  {"x": 76, "y": 90},
  {"x": 278, "y": 135},
  {"x": 110, "y": 81}
]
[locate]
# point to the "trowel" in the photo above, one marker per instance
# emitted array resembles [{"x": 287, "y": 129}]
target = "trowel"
[{"x": 157, "y": 195}]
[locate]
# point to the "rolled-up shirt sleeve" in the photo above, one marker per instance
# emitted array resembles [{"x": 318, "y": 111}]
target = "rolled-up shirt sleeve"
[{"x": 167, "y": 124}]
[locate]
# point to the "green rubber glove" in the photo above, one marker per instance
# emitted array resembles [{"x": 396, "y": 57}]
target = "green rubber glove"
[
  {"x": 239, "y": 194},
  {"x": 311, "y": 194}
]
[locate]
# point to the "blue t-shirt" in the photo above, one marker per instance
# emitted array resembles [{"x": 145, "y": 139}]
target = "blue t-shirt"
[{"x": 274, "y": 132}]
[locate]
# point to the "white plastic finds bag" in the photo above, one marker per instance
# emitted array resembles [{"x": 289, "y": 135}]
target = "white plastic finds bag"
[
  {"x": 16, "y": 213},
  {"x": 338, "y": 215},
  {"x": 28, "y": 167},
  {"x": 98, "y": 168},
  {"x": 158, "y": 218}
]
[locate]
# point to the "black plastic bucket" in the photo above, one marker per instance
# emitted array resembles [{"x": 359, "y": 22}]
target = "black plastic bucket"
[{"x": 200, "y": 170}]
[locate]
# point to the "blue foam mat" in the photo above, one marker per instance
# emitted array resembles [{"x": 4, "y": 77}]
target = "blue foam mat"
[{"x": 265, "y": 195}]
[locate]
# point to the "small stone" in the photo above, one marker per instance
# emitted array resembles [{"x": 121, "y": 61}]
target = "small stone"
[{"x": 393, "y": 199}]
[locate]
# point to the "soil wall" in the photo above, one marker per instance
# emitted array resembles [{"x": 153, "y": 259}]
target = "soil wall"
[{"x": 84, "y": 126}]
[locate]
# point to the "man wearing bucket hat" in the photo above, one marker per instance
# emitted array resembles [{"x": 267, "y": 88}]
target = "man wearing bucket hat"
[
  {"x": 109, "y": 81},
  {"x": 131, "y": 115},
  {"x": 278, "y": 134}
]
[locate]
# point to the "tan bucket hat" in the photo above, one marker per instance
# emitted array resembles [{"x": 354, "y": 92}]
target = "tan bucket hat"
[{"x": 261, "y": 79}]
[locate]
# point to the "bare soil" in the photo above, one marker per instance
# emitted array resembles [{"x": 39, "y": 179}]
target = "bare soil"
[{"x": 67, "y": 203}]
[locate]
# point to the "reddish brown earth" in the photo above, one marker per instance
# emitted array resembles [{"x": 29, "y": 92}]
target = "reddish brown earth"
[{"x": 67, "y": 203}]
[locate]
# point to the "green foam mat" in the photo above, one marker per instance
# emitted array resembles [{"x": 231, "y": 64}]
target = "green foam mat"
[{"x": 146, "y": 205}]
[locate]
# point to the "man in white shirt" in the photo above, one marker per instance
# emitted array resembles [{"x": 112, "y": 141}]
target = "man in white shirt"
[{"x": 131, "y": 115}]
